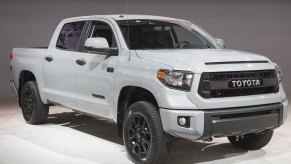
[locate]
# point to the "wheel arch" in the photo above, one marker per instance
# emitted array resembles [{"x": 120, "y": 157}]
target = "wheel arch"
[
  {"x": 129, "y": 95},
  {"x": 24, "y": 76}
]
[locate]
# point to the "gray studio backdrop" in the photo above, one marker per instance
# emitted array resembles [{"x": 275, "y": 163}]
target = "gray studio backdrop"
[{"x": 260, "y": 26}]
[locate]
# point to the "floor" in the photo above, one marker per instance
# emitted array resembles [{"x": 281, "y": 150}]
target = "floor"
[{"x": 69, "y": 137}]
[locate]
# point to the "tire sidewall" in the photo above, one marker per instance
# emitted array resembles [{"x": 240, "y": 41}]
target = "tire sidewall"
[
  {"x": 134, "y": 110},
  {"x": 40, "y": 110}
]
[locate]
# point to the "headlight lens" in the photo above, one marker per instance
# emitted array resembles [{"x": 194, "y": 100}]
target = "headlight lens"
[
  {"x": 279, "y": 73},
  {"x": 181, "y": 80}
]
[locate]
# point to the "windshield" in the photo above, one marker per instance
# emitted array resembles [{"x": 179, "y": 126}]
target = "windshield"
[{"x": 165, "y": 34}]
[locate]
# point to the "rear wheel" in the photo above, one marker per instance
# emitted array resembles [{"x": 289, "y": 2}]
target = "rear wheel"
[
  {"x": 33, "y": 110},
  {"x": 252, "y": 141},
  {"x": 143, "y": 134}
]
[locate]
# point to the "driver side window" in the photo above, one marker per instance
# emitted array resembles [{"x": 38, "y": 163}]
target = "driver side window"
[
  {"x": 183, "y": 35},
  {"x": 101, "y": 29}
]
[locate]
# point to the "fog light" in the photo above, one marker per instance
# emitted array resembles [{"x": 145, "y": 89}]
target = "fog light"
[{"x": 183, "y": 121}]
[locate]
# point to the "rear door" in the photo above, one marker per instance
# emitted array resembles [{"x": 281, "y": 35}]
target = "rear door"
[
  {"x": 60, "y": 65},
  {"x": 95, "y": 78}
]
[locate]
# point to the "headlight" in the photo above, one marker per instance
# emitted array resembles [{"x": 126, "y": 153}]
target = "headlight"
[
  {"x": 279, "y": 72},
  {"x": 181, "y": 80}
]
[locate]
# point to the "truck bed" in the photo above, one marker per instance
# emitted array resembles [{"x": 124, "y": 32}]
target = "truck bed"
[{"x": 28, "y": 59}]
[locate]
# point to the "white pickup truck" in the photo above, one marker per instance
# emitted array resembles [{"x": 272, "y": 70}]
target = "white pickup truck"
[{"x": 158, "y": 78}]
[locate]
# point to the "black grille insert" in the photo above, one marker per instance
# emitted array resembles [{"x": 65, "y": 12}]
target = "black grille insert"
[
  {"x": 215, "y": 84},
  {"x": 238, "y": 115}
]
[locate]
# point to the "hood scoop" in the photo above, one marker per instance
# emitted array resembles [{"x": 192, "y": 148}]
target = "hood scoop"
[{"x": 236, "y": 62}]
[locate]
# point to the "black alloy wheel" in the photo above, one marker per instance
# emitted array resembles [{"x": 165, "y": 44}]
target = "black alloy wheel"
[
  {"x": 139, "y": 136},
  {"x": 34, "y": 111},
  {"x": 27, "y": 104},
  {"x": 143, "y": 134}
]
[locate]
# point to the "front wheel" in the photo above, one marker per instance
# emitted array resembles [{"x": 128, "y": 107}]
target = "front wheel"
[
  {"x": 252, "y": 141},
  {"x": 143, "y": 134}
]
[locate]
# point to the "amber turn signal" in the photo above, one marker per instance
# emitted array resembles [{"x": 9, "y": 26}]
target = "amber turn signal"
[{"x": 161, "y": 74}]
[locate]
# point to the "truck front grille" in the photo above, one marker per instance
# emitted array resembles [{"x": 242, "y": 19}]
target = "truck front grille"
[{"x": 216, "y": 84}]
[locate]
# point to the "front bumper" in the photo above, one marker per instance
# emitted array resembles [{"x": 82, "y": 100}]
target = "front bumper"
[{"x": 224, "y": 122}]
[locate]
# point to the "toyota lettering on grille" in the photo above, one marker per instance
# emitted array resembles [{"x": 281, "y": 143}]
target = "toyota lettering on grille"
[{"x": 241, "y": 83}]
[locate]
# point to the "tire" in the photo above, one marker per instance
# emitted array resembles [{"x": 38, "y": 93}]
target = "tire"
[
  {"x": 143, "y": 134},
  {"x": 252, "y": 141},
  {"x": 33, "y": 110}
]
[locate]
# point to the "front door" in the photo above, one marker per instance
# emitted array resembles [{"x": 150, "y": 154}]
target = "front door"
[{"x": 95, "y": 74}]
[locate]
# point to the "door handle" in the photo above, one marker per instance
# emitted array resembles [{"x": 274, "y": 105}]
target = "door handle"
[
  {"x": 110, "y": 69},
  {"x": 81, "y": 62},
  {"x": 49, "y": 58}
]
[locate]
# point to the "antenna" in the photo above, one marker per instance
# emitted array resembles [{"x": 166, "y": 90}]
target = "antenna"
[{"x": 126, "y": 4}]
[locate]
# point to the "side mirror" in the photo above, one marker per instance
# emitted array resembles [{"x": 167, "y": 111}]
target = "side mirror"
[
  {"x": 220, "y": 42},
  {"x": 100, "y": 45}
]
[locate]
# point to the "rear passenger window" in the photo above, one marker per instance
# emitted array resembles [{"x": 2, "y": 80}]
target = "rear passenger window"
[{"x": 70, "y": 36}]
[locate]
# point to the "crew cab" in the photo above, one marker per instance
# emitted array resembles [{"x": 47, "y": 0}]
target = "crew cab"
[{"x": 159, "y": 78}]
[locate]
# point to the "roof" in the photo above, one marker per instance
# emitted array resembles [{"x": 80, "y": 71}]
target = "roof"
[{"x": 125, "y": 17}]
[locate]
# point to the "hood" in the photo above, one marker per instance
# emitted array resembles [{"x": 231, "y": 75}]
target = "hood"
[{"x": 200, "y": 60}]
